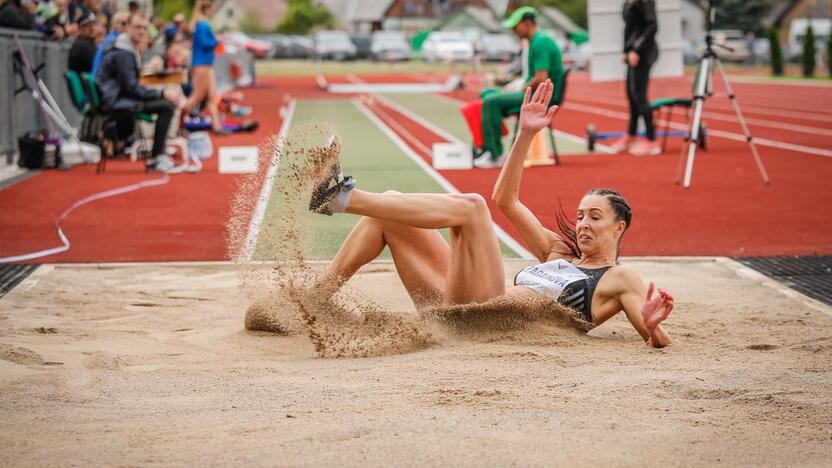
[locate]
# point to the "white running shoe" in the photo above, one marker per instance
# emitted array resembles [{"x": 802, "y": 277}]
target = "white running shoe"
[
  {"x": 485, "y": 161},
  {"x": 646, "y": 148},
  {"x": 622, "y": 144},
  {"x": 161, "y": 163}
]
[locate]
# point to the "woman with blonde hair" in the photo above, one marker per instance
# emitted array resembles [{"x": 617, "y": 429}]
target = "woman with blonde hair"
[{"x": 203, "y": 80}]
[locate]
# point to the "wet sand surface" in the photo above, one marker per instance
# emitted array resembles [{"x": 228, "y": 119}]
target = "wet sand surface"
[{"x": 151, "y": 365}]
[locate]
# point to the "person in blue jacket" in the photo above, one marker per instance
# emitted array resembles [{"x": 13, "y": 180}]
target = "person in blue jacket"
[
  {"x": 119, "y": 22},
  {"x": 203, "y": 80}
]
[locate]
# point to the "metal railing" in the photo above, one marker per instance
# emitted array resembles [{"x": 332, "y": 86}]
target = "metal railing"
[{"x": 20, "y": 113}]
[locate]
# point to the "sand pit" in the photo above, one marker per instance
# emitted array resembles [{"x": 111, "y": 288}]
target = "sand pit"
[{"x": 151, "y": 364}]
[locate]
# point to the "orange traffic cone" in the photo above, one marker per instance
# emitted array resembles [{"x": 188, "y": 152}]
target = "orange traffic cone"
[{"x": 539, "y": 152}]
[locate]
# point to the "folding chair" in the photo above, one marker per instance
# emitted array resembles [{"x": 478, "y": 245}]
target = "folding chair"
[
  {"x": 668, "y": 105},
  {"x": 109, "y": 118}
]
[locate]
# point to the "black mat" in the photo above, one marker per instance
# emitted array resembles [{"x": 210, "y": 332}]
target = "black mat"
[
  {"x": 811, "y": 276},
  {"x": 12, "y": 274}
]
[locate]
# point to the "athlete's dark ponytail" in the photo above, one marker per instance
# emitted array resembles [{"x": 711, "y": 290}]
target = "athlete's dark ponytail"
[{"x": 622, "y": 209}]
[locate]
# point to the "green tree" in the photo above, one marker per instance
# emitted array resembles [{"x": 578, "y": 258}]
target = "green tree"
[
  {"x": 574, "y": 9},
  {"x": 829, "y": 56},
  {"x": 302, "y": 16},
  {"x": 167, "y": 8},
  {"x": 809, "y": 52},
  {"x": 250, "y": 23},
  {"x": 776, "y": 51},
  {"x": 746, "y": 15}
]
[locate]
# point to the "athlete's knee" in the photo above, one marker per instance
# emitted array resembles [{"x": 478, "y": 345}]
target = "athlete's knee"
[{"x": 475, "y": 206}]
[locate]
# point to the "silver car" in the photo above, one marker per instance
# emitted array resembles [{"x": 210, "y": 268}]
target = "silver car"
[
  {"x": 334, "y": 45},
  {"x": 389, "y": 45}
]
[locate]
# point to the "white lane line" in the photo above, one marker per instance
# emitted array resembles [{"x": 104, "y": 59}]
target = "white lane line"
[
  {"x": 747, "y": 108},
  {"x": 419, "y": 119},
  {"x": 501, "y": 234},
  {"x": 268, "y": 183},
  {"x": 726, "y": 117},
  {"x": 390, "y": 121},
  {"x": 711, "y": 132}
]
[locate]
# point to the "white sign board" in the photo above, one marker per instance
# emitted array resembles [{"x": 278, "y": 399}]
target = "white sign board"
[
  {"x": 238, "y": 159},
  {"x": 606, "y": 33},
  {"x": 452, "y": 156}
]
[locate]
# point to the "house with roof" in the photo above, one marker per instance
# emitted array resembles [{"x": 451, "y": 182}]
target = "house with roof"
[
  {"x": 262, "y": 15},
  {"x": 784, "y": 13}
]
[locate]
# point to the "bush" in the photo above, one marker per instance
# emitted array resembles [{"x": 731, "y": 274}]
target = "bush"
[
  {"x": 776, "y": 52},
  {"x": 829, "y": 56},
  {"x": 809, "y": 52},
  {"x": 250, "y": 23}
]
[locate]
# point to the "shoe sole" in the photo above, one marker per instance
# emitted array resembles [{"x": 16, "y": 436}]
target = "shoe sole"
[{"x": 324, "y": 193}]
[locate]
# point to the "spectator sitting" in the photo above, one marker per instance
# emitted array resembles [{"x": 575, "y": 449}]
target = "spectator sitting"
[
  {"x": 14, "y": 14},
  {"x": 59, "y": 23},
  {"x": 175, "y": 55},
  {"x": 118, "y": 81},
  {"x": 119, "y": 24},
  {"x": 82, "y": 52}
]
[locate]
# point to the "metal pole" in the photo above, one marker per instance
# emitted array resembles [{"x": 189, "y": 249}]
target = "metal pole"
[
  {"x": 699, "y": 97},
  {"x": 743, "y": 124}
]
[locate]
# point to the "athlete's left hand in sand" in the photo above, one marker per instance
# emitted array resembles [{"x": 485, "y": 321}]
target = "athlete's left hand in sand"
[{"x": 656, "y": 309}]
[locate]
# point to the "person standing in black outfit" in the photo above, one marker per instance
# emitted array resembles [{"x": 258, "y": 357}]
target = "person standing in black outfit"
[{"x": 640, "y": 53}]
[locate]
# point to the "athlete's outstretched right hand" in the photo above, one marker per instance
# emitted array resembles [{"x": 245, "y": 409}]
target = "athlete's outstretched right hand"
[{"x": 535, "y": 114}]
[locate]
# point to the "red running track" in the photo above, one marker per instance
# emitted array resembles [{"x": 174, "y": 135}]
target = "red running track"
[
  {"x": 728, "y": 211},
  {"x": 184, "y": 220}
]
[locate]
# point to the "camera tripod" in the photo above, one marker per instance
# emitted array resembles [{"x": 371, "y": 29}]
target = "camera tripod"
[{"x": 707, "y": 64}]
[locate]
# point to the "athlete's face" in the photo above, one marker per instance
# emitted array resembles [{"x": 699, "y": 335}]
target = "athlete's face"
[{"x": 596, "y": 226}]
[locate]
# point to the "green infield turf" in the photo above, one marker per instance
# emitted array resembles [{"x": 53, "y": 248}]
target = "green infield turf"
[
  {"x": 445, "y": 114},
  {"x": 368, "y": 155}
]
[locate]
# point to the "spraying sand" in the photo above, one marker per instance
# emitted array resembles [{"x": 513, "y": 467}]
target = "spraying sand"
[{"x": 349, "y": 324}]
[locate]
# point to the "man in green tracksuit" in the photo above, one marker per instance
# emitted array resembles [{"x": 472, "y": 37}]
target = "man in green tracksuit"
[{"x": 545, "y": 62}]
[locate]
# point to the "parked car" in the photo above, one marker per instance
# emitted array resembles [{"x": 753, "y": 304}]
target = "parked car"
[
  {"x": 362, "y": 45},
  {"x": 566, "y": 54},
  {"x": 498, "y": 47},
  {"x": 334, "y": 45},
  {"x": 447, "y": 46},
  {"x": 690, "y": 52},
  {"x": 235, "y": 41},
  {"x": 301, "y": 46},
  {"x": 389, "y": 45},
  {"x": 583, "y": 56},
  {"x": 733, "y": 39},
  {"x": 288, "y": 46},
  {"x": 762, "y": 50}
]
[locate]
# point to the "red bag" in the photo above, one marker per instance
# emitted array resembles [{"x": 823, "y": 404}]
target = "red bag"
[{"x": 472, "y": 112}]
